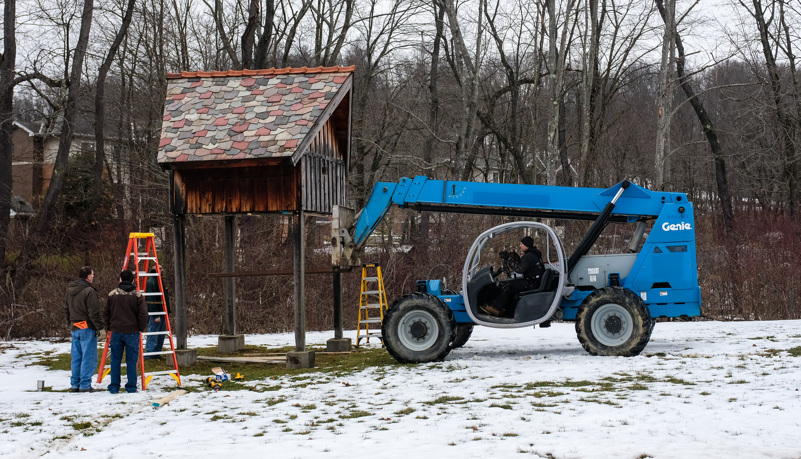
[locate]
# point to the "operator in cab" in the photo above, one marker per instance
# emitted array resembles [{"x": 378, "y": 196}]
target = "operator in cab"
[{"x": 530, "y": 266}]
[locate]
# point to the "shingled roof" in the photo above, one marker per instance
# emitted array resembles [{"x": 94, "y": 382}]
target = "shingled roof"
[{"x": 247, "y": 114}]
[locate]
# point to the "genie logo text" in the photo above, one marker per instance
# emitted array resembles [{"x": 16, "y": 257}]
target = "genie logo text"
[{"x": 676, "y": 226}]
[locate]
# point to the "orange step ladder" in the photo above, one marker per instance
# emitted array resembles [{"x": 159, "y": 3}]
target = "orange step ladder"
[{"x": 140, "y": 253}]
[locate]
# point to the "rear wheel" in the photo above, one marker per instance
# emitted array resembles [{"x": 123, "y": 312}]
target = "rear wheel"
[
  {"x": 463, "y": 332},
  {"x": 614, "y": 321},
  {"x": 418, "y": 328}
]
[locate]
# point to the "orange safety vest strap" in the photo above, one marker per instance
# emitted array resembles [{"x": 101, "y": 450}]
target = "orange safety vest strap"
[{"x": 81, "y": 325}]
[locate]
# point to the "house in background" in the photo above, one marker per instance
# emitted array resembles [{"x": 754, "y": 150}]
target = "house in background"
[{"x": 35, "y": 155}]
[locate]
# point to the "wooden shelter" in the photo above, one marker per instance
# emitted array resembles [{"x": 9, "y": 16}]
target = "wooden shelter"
[{"x": 255, "y": 141}]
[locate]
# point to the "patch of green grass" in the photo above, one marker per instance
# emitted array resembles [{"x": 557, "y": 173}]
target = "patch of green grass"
[
  {"x": 795, "y": 351},
  {"x": 599, "y": 401},
  {"x": 504, "y": 406},
  {"x": 680, "y": 381},
  {"x": 444, "y": 400},
  {"x": 405, "y": 411},
  {"x": 738, "y": 381},
  {"x": 81, "y": 425},
  {"x": 333, "y": 365},
  {"x": 274, "y": 401},
  {"x": 355, "y": 414}
]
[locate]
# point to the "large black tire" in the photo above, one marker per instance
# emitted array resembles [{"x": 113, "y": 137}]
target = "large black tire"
[
  {"x": 463, "y": 332},
  {"x": 418, "y": 328},
  {"x": 614, "y": 321}
]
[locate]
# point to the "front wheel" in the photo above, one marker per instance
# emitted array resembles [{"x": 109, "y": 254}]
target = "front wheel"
[
  {"x": 463, "y": 332},
  {"x": 614, "y": 321},
  {"x": 418, "y": 328}
]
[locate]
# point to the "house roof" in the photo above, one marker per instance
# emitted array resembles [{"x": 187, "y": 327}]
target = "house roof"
[{"x": 247, "y": 114}]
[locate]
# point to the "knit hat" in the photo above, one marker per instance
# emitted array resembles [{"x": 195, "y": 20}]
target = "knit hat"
[
  {"x": 527, "y": 241},
  {"x": 126, "y": 275}
]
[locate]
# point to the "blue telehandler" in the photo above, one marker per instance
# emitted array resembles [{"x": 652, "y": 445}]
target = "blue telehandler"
[{"x": 613, "y": 299}]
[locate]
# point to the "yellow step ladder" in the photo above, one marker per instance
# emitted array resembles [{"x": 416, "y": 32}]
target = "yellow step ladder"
[
  {"x": 140, "y": 253},
  {"x": 372, "y": 304}
]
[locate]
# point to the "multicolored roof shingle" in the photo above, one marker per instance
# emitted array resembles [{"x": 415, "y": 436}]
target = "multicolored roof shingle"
[{"x": 247, "y": 114}]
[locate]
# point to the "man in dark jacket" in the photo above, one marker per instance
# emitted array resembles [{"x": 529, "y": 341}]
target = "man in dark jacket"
[
  {"x": 156, "y": 323},
  {"x": 83, "y": 314},
  {"x": 126, "y": 317},
  {"x": 530, "y": 266}
]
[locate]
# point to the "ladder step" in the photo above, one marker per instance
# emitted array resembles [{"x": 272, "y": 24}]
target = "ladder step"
[
  {"x": 160, "y": 313},
  {"x": 371, "y": 306},
  {"x": 370, "y": 321},
  {"x": 371, "y": 292},
  {"x": 156, "y": 353},
  {"x": 143, "y": 256},
  {"x": 152, "y": 294},
  {"x": 148, "y": 274},
  {"x": 373, "y": 279},
  {"x": 166, "y": 372},
  {"x": 155, "y": 333}
]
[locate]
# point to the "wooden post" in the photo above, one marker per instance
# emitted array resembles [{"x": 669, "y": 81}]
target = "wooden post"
[
  {"x": 230, "y": 282},
  {"x": 300, "y": 288},
  {"x": 180, "y": 279},
  {"x": 338, "y": 305}
]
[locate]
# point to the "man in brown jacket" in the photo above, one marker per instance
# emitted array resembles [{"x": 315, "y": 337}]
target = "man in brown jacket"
[
  {"x": 83, "y": 314},
  {"x": 125, "y": 316}
]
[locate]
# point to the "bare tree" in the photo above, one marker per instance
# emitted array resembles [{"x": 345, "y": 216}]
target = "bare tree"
[
  {"x": 44, "y": 221},
  {"x": 8, "y": 63},
  {"x": 100, "y": 110},
  {"x": 707, "y": 125},
  {"x": 466, "y": 67},
  {"x": 332, "y": 21},
  {"x": 665, "y": 98},
  {"x": 557, "y": 58},
  {"x": 775, "y": 38}
]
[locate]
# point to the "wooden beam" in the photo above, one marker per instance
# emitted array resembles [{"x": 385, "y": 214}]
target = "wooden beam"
[
  {"x": 169, "y": 397},
  {"x": 300, "y": 288},
  {"x": 338, "y": 323},
  {"x": 278, "y": 272},
  {"x": 230, "y": 282},
  {"x": 180, "y": 279}
]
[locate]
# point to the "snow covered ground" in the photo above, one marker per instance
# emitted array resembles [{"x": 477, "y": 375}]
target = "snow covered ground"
[{"x": 706, "y": 389}]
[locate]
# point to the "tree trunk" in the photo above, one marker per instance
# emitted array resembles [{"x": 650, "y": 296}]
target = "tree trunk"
[
  {"x": 100, "y": 113},
  {"x": 266, "y": 35},
  {"x": 33, "y": 245},
  {"x": 226, "y": 43},
  {"x": 7, "y": 64},
  {"x": 586, "y": 164},
  {"x": 466, "y": 71},
  {"x": 249, "y": 35},
  {"x": 433, "y": 107},
  {"x": 786, "y": 128},
  {"x": 708, "y": 127},
  {"x": 665, "y": 100}
]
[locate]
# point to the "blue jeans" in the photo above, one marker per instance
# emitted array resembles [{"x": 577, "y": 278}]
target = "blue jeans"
[
  {"x": 129, "y": 342},
  {"x": 84, "y": 358},
  {"x": 155, "y": 342}
]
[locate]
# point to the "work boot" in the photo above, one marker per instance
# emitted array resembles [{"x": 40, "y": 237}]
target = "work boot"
[
  {"x": 91, "y": 389},
  {"x": 491, "y": 310},
  {"x": 74, "y": 389},
  {"x": 545, "y": 324}
]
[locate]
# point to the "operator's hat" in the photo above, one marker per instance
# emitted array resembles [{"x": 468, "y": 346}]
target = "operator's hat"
[
  {"x": 126, "y": 275},
  {"x": 527, "y": 241}
]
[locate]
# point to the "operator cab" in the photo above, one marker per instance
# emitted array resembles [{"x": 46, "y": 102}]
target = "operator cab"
[{"x": 484, "y": 285}]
